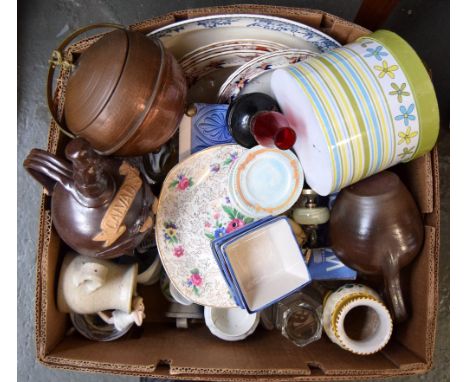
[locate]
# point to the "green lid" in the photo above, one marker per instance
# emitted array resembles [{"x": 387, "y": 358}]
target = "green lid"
[{"x": 421, "y": 84}]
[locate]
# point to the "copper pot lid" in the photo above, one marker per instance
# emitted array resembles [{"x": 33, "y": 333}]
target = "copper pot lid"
[{"x": 95, "y": 78}]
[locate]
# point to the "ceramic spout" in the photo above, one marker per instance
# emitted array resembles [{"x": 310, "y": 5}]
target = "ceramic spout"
[{"x": 393, "y": 291}]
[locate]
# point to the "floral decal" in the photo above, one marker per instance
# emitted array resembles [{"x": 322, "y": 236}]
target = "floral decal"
[
  {"x": 407, "y": 152},
  {"x": 223, "y": 226},
  {"x": 214, "y": 23},
  {"x": 241, "y": 83},
  {"x": 385, "y": 69},
  {"x": 231, "y": 159},
  {"x": 170, "y": 233},
  {"x": 265, "y": 66},
  {"x": 181, "y": 183},
  {"x": 195, "y": 281},
  {"x": 377, "y": 53},
  {"x": 407, "y": 136},
  {"x": 399, "y": 91},
  {"x": 295, "y": 60},
  {"x": 215, "y": 167},
  {"x": 178, "y": 251},
  {"x": 406, "y": 114}
]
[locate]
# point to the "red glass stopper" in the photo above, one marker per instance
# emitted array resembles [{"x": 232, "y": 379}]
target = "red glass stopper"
[{"x": 271, "y": 129}]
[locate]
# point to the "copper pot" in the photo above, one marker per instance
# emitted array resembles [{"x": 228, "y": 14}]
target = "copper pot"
[{"x": 126, "y": 94}]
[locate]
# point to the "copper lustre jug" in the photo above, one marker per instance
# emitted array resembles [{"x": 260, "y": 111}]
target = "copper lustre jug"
[
  {"x": 125, "y": 93},
  {"x": 100, "y": 206}
]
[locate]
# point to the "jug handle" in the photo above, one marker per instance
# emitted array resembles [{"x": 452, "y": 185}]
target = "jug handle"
[
  {"x": 393, "y": 291},
  {"x": 65, "y": 60},
  {"x": 47, "y": 169}
]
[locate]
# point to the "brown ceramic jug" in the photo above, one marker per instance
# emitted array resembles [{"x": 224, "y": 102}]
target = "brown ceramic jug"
[
  {"x": 100, "y": 206},
  {"x": 376, "y": 228},
  {"x": 125, "y": 95}
]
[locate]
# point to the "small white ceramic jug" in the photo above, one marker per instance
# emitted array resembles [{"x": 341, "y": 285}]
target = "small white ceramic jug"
[{"x": 88, "y": 285}]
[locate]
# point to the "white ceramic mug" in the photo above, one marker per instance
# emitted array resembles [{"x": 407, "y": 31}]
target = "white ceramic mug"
[
  {"x": 355, "y": 318},
  {"x": 88, "y": 285}
]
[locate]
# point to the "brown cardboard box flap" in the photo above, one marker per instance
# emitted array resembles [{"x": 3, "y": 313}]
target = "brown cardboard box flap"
[{"x": 160, "y": 350}]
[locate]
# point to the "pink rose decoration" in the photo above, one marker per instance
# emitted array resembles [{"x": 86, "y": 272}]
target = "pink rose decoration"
[
  {"x": 183, "y": 183},
  {"x": 178, "y": 251},
  {"x": 196, "y": 279},
  {"x": 234, "y": 224},
  {"x": 216, "y": 215}
]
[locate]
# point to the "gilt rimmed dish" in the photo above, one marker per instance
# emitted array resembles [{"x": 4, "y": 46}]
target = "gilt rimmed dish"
[{"x": 194, "y": 209}]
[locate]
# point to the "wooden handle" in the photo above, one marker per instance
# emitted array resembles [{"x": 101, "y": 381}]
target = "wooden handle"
[{"x": 58, "y": 59}]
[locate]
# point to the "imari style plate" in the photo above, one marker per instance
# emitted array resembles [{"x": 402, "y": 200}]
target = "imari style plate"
[
  {"x": 254, "y": 76},
  {"x": 185, "y": 36},
  {"x": 194, "y": 209}
]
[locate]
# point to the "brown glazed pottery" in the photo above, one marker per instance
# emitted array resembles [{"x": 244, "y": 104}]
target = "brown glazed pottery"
[
  {"x": 100, "y": 206},
  {"x": 126, "y": 94},
  {"x": 376, "y": 228}
]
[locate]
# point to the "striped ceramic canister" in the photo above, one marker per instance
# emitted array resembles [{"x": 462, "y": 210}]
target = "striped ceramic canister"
[{"x": 358, "y": 110}]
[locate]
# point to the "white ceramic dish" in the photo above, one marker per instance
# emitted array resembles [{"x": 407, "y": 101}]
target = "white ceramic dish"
[
  {"x": 232, "y": 324},
  {"x": 251, "y": 77},
  {"x": 210, "y": 63},
  {"x": 243, "y": 44},
  {"x": 186, "y": 36},
  {"x": 266, "y": 181},
  {"x": 267, "y": 263},
  {"x": 194, "y": 208}
]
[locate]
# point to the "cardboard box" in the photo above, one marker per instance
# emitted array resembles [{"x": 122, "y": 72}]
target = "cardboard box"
[{"x": 160, "y": 350}]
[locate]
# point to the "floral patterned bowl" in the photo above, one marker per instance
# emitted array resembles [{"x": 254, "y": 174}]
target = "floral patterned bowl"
[{"x": 194, "y": 209}]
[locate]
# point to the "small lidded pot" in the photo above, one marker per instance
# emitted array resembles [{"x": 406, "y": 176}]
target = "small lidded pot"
[{"x": 125, "y": 95}]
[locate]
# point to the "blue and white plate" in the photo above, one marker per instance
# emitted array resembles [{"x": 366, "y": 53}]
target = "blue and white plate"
[{"x": 185, "y": 36}]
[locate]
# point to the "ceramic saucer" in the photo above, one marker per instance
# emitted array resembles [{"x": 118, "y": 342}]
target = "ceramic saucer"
[{"x": 265, "y": 181}]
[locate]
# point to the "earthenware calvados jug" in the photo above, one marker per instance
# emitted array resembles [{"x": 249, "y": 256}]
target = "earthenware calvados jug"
[
  {"x": 100, "y": 206},
  {"x": 377, "y": 229}
]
